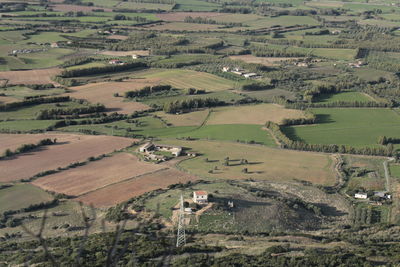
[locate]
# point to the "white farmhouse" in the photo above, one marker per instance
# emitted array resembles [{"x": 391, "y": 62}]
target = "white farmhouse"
[{"x": 200, "y": 197}]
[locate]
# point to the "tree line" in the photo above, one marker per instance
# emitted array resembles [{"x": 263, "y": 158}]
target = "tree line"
[
  {"x": 99, "y": 70},
  {"x": 33, "y": 101},
  {"x": 148, "y": 90},
  {"x": 56, "y": 113},
  {"x": 186, "y": 105},
  {"x": 27, "y": 147}
]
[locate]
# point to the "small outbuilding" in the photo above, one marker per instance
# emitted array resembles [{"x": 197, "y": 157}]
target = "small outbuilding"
[{"x": 361, "y": 195}]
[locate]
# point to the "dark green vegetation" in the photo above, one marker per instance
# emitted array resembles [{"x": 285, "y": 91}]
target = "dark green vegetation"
[{"x": 196, "y": 73}]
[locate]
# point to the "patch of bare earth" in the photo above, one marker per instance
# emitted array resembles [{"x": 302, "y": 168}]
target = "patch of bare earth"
[
  {"x": 70, "y": 148},
  {"x": 97, "y": 174},
  {"x": 104, "y": 93},
  {"x": 120, "y": 192},
  {"x": 41, "y": 76}
]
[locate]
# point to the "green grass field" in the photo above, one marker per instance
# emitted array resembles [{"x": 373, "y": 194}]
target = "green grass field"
[
  {"x": 344, "y": 96},
  {"x": 182, "y": 79},
  {"x": 348, "y": 126},
  {"x": 21, "y": 196},
  {"x": 25, "y": 125},
  {"x": 395, "y": 170},
  {"x": 20, "y": 92}
]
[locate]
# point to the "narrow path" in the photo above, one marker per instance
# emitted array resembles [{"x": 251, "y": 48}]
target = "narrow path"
[{"x": 387, "y": 175}]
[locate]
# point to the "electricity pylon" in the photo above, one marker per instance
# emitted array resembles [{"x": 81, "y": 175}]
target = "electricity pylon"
[{"x": 181, "y": 238}]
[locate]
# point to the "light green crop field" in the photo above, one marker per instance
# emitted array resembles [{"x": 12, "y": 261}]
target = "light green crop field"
[
  {"x": 395, "y": 170},
  {"x": 20, "y": 92},
  {"x": 25, "y": 125},
  {"x": 344, "y": 96},
  {"x": 196, "y": 5},
  {"x": 348, "y": 126},
  {"x": 187, "y": 79},
  {"x": 46, "y": 59},
  {"x": 21, "y": 196}
]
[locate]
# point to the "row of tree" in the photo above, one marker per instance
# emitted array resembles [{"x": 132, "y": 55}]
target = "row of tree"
[
  {"x": 27, "y": 147},
  {"x": 33, "y": 101},
  {"x": 148, "y": 90},
  {"x": 56, "y": 113},
  {"x": 186, "y": 105}
]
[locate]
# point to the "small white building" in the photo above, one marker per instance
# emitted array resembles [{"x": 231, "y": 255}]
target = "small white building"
[
  {"x": 200, "y": 197},
  {"x": 250, "y": 75},
  {"x": 146, "y": 148},
  {"x": 134, "y": 56},
  {"x": 225, "y": 69},
  {"x": 361, "y": 195}
]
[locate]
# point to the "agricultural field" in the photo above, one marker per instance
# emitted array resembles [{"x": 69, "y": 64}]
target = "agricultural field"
[
  {"x": 349, "y": 126},
  {"x": 285, "y": 112},
  {"x": 104, "y": 93},
  {"x": 116, "y": 193},
  {"x": 97, "y": 174},
  {"x": 41, "y": 76},
  {"x": 252, "y": 114},
  {"x": 69, "y": 149},
  {"x": 21, "y": 196},
  {"x": 263, "y": 163},
  {"x": 186, "y": 79}
]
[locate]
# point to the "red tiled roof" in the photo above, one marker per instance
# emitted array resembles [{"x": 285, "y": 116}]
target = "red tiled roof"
[{"x": 199, "y": 193}]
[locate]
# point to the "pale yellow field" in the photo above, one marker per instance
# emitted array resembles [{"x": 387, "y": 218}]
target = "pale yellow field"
[{"x": 252, "y": 114}]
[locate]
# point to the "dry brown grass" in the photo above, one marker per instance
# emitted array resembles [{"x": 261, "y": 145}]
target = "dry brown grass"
[
  {"x": 70, "y": 148},
  {"x": 97, "y": 174},
  {"x": 181, "y": 26},
  {"x": 7, "y": 99},
  {"x": 117, "y": 193},
  {"x": 252, "y": 114},
  {"x": 41, "y": 76},
  {"x": 104, "y": 93},
  {"x": 266, "y": 61}
]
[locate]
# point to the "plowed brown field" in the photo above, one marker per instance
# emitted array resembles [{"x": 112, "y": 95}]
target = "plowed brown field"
[
  {"x": 41, "y": 76},
  {"x": 97, "y": 174},
  {"x": 69, "y": 149},
  {"x": 117, "y": 193},
  {"x": 104, "y": 93}
]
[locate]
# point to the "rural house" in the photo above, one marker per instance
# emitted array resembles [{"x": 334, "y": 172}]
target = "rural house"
[{"x": 200, "y": 197}]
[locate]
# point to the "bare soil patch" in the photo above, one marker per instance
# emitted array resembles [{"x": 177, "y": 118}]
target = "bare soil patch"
[
  {"x": 70, "y": 148},
  {"x": 117, "y": 37},
  {"x": 117, "y": 193},
  {"x": 96, "y": 174},
  {"x": 41, "y": 76},
  {"x": 104, "y": 93}
]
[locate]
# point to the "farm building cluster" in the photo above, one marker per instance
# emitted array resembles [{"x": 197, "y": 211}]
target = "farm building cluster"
[
  {"x": 159, "y": 153},
  {"x": 377, "y": 197},
  {"x": 241, "y": 72}
]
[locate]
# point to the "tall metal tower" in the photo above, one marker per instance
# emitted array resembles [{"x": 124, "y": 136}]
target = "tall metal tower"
[{"x": 181, "y": 237}]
